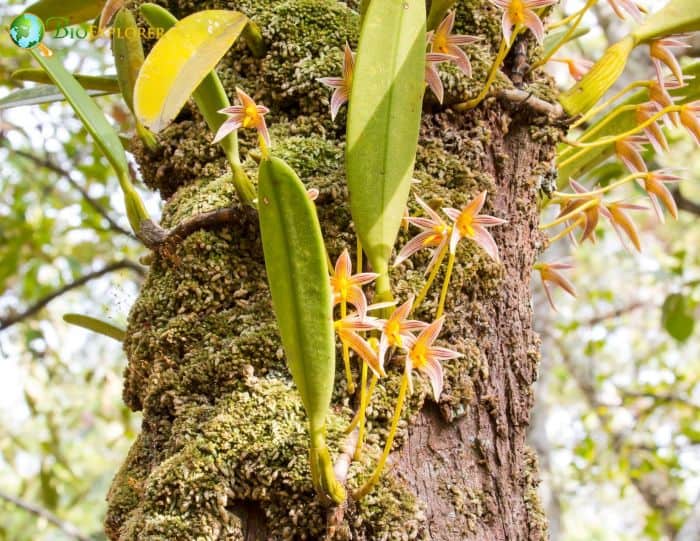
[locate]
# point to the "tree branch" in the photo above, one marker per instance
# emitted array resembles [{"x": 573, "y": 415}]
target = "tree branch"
[
  {"x": 48, "y": 164},
  {"x": 11, "y": 319},
  {"x": 67, "y": 528},
  {"x": 684, "y": 203}
]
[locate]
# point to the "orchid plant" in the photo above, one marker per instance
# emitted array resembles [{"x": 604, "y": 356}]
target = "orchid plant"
[{"x": 382, "y": 136}]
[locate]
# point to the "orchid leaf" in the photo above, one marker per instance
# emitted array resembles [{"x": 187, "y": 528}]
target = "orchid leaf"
[
  {"x": 551, "y": 40},
  {"x": 180, "y": 60},
  {"x": 96, "y": 325},
  {"x": 96, "y": 124},
  {"x": 383, "y": 122},
  {"x": 295, "y": 259},
  {"x": 58, "y": 13},
  {"x": 105, "y": 83},
  {"x": 40, "y": 94}
]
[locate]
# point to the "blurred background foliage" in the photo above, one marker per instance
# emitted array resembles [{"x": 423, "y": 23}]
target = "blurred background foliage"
[{"x": 617, "y": 416}]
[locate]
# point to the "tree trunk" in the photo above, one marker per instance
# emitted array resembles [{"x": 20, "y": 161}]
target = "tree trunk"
[{"x": 223, "y": 449}]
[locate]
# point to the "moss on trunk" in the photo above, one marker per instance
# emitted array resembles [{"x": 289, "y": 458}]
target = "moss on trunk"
[{"x": 223, "y": 448}]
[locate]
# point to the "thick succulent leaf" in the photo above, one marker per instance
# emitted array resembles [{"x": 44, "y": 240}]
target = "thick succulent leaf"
[
  {"x": 91, "y": 116},
  {"x": 97, "y": 125},
  {"x": 106, "y": 83},
  {"x": 586, "y": 159},
  {"x": 128, "y": 53},
  {"x": 41, "y": 94},
  {"x": 383, "y": 122},
  {"x": 295, "y": 259},
  {"x": 179, "y": 62},
  {"x": 96, "y": 325},
  {"x": 438, "y": 10},
  {"x": 57, "y": 13},
  {"x": 676, "y": 17}
]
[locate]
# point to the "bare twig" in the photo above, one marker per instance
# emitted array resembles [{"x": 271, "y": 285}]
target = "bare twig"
[
  {"x": 67, "y": 528},
  {"x": 684, "y": 203},
  {"x": 523, "y": 98},
  {"x": 11, "y": 319},
  {"x": 51, "y": 166}
]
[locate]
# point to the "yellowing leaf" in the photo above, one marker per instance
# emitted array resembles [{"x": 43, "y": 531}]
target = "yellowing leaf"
[
  {"x": 180, "y": 60},
  {"x": 60, "y": 13}
]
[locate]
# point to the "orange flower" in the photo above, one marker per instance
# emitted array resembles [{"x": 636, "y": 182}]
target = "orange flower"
[
  {"x": 425, "y": 357},
  {"x": 246, "y": 115},
  {"x": 590, "y": 213},
  {"x": 341, "y": 85},
  {"x": 346, "y": 286},
  {"x": 660, "y": 53},
  {"x": 519, "y": 13},
  {"x": 578, "y": 67},
  {"x": 689, "y": 119},
  {"x": 621, "y": 222},
  {"x": 397, "y": 328},
  {"x": 432, "y": 77},
  {"x": 435, "y": 235},
  {"x": 443, "y": 41},
  {"x": 549, "y": 272},
  {"x": 348, "y": 329},
  {"x": 469, "y": 224},
  {"x": 630, "y": 6},
  {"x": 655, "y": 186},
  {"x": 629, "y": 150},
  {"x": 653, "y": 132}
]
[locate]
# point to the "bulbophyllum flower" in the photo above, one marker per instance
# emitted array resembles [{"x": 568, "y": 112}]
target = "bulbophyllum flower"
[
  {"x": 346, "y": 286},
  {"x": 432, "y": 77},
  {"x": 629, "y": 6},
  {"x": 689, "y": 119},
  {"x": 425, "y": 357},
  {"x": 348, "y": 329},
  {"x": 658, "y": 93},
  {"x": 584, "y": 209},
  {"x": 468, "y": 223},
  {"x": 436, "y": 234},
  {"x": 549, "y": 273},
  {"x": 246, "y": 115},
  {"x": 519, "y": 13},
  {"x": 341, "y": 85},
  {"x": 443, "y": 41},
  {"x": 578, "y": 67},
  {"x": 629, "y": 151},
  {"x": 660, "y": 53},
  {"x": 653, "y": 132},
  {"x": 397, "y": 328},
  {"x": 621, "y": 222},
  {"x": 654, "y": 183}
]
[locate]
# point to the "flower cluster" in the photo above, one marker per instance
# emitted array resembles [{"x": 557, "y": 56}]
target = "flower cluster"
[{"x": 397, "y": 331}]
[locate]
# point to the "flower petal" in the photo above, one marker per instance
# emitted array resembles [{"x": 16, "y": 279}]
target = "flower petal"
[{"x": 484, "y": 239}]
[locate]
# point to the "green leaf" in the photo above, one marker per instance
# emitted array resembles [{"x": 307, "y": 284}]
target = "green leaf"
[
  {"x": 96, "y": 124},
  {"x": 96, "y": 325},
  {"x": 677, "y": 317},
  {"x": 38, "y": 95},
  {"x": 383, "y": 123},
  {"x": 295, "y": 259},
  {"x": 180, "y": 60},
  {"x": 551, "y": 40},
  {"x": 128, "y": 53},
  {"x": 106, "y": 83},
  {"x": 59, "y": 13}
]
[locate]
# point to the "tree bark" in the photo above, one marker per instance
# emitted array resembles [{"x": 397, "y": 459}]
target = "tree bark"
[{"x": 223, "y": 449}]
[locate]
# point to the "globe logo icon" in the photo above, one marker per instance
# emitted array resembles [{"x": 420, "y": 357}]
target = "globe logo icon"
[{"x": 27, "y": 30}]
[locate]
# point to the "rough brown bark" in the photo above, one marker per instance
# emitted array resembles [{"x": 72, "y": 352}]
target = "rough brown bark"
[{"x": 222, "y": 452}]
